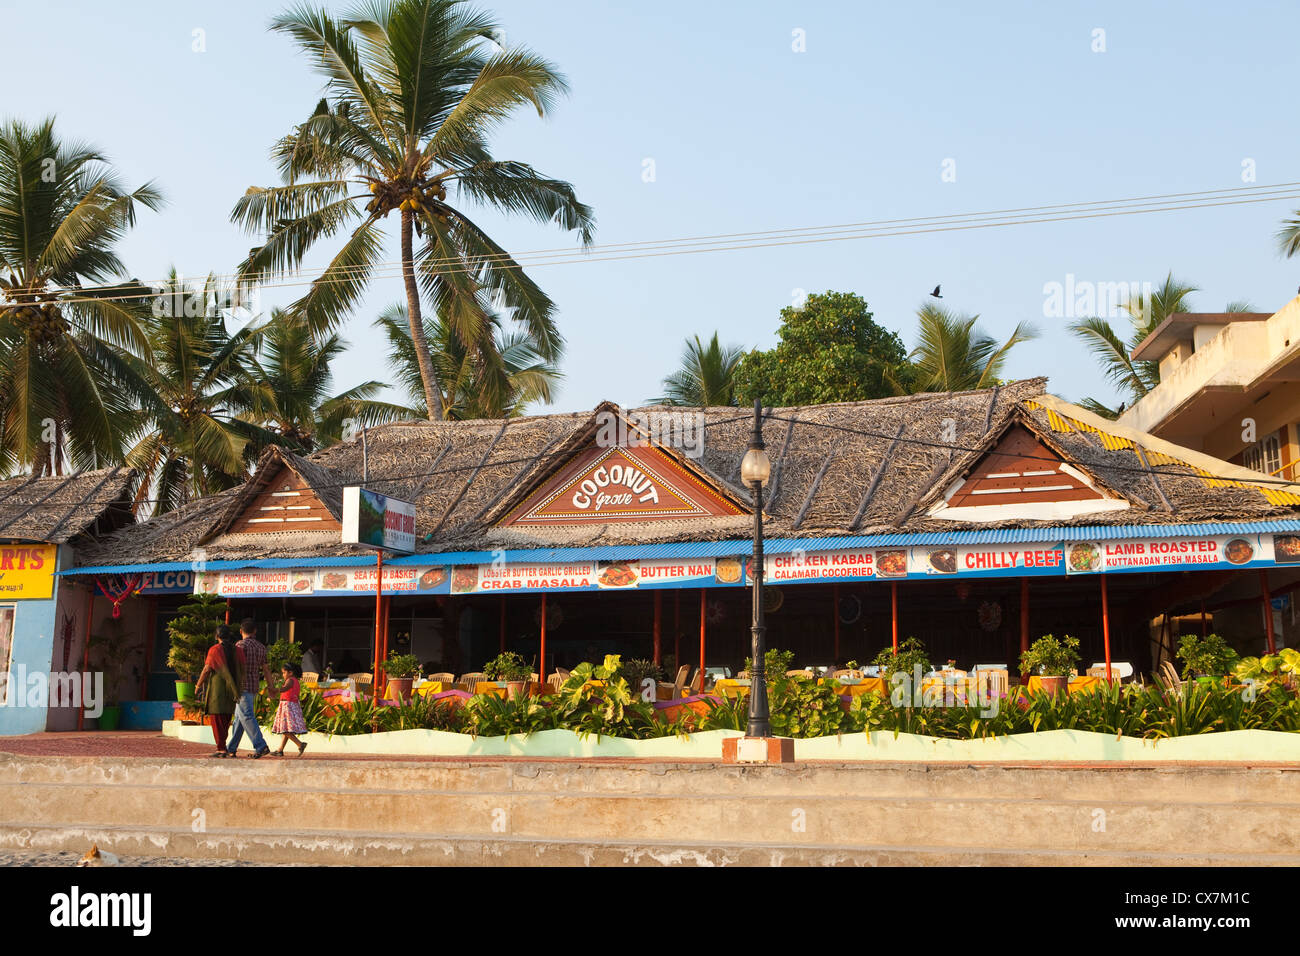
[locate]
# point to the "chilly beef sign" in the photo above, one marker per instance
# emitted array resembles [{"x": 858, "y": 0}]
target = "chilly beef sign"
[{"x": 378, "y": 521}]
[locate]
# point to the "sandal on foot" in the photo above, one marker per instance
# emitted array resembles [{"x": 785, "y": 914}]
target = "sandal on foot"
[{"x": 301, "y": 747}]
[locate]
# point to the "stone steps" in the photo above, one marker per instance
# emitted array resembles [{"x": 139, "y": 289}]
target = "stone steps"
[{"x": 541, "y": 812}]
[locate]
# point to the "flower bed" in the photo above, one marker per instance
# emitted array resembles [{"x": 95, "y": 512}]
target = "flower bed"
[{"x": 589, "y": 704}]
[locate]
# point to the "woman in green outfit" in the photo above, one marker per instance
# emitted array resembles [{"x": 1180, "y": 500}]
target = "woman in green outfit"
[{"x": 224, "y": 667}]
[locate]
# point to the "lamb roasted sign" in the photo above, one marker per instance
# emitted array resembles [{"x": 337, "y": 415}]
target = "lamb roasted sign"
[{"x": 378, "y": 521}]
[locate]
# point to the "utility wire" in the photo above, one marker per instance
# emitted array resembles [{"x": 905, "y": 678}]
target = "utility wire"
[{"x": 757, "y": 240}]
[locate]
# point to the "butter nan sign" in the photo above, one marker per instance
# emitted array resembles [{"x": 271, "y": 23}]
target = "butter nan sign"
[{"x": 623, "y": 483}]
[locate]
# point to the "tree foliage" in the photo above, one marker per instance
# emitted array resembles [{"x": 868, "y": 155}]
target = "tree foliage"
[{"x": 830, "y": 350}]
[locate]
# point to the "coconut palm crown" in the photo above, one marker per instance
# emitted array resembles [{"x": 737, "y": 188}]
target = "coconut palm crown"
[
  {"x": 66, "y": 395},
  {"x": 413, "y": 90}
]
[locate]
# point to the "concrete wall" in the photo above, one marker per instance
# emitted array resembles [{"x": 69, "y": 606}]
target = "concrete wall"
[{"x": 33, "y": 641}]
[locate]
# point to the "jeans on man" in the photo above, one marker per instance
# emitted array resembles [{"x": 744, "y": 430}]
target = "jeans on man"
[{"x": 245, "y": 719}]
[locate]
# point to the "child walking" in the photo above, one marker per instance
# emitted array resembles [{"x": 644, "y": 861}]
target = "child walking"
[{"x": 288, "y": 716}]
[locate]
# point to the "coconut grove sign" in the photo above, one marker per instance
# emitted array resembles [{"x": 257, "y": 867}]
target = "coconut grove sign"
[
  {"x": 378, "y": 521},
  {"x": 620, "y": 483}
]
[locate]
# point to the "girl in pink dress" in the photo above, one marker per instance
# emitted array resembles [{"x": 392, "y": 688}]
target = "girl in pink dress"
[{"x": 288, "y": 716}]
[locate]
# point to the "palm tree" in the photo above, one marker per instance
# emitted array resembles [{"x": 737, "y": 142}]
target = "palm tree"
[
  {"x": 413, "y": 88},
  {"x": 295, "y": 379},
  {"x": 200, "y": 414},
  {"x": 514, "y": 375},
  {"x": 953, "y": 355},
  {"x": 1288, "y": 237},
  {"x": 707, "y": 375},
  {"x": 65, "y": 392},
  {"x": 1134, "y": 378}
]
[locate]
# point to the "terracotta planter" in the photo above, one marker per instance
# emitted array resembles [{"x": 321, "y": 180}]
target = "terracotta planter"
[
  {"x": 516, "y": 688},
  {"x": 399, "y": 689},
  {"x": 1055, "y": 685}
]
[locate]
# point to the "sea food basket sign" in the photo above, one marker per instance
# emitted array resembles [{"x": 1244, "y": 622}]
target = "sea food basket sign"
[{"x": 378, "y": 521}]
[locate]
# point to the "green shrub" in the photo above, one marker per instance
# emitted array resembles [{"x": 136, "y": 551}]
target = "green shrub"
[
  {"x": 911, "y": 654},
  {"x": 1049, "y": 657},
  {"x": 1208, "y": 656},
  {"x": 507, "y": 666},
  {"x": 192, "y": 632}
]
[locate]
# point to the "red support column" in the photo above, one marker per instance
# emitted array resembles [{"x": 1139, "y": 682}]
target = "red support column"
[
  {"x": 1024, "y": 615},
  {"x": 1105, "y": 623},
  {"x": 227, "y": 610},
  {"x": 658, "y": 628},
  {"x": 703, "y": 615},
  {"x": 85, "y": 653},
  {"x": 379, "y": 623},
  {"x": 893, "y": 613},
  {"x": 677, "y": 630},
  {"x": 1268, "y": 610},
  {"x": 541, "y": 654},
  {"x": 835, "y": 609}
]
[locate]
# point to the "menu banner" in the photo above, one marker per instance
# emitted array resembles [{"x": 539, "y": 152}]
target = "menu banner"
[
  {"x": 1157, "y": 554},
  {"x": 853, "y": 564},
  {"x": 987, "y": 560}
]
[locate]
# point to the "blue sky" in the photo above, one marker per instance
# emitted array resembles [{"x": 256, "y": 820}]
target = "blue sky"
[{"x": 747, "y": 134}]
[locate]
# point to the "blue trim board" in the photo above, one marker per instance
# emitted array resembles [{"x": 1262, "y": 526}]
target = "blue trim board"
[{"x": 740, "y": 546}]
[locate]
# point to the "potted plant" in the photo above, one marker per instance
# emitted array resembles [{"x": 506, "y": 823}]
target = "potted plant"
[
  {"x": 1206, "y": 658},
  {"x": 401, "y": 670},
  {"x": 637, "y": 670},
  {"x": 1053, "y": 660},
  {"x": 511, "y": 668},
  {"x": 911, "y": 654},
  {"x": 775, "y": 663},
  {"x": 110, "y": 653},
  {"x": 191, "y": 633}
]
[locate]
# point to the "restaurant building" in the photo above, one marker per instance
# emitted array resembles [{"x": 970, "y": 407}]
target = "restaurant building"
[{"x": 975, "y": 521}]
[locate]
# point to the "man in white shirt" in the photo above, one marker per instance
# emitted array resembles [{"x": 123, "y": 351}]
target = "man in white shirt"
[{"x": 313, "y": 662}]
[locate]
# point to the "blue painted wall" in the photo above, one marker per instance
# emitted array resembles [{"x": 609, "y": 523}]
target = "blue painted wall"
[{"x": 33, "y": 647}]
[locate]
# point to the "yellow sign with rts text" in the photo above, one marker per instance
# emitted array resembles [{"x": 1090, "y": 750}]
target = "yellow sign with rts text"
[{"x": 27, "y": 571}]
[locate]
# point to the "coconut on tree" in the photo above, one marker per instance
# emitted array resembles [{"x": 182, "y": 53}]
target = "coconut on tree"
[
  {"x": 413, "y": 90},
  {"x": 67, "y": 395}
]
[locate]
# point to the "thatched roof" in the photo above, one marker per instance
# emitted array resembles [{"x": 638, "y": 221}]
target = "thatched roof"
[
  {"x": 58, "y": 509},
  {"x": 852, "y": 468}
]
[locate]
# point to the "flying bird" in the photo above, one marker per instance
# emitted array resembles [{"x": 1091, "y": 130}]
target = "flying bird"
[{"x": 935, "y": 293}]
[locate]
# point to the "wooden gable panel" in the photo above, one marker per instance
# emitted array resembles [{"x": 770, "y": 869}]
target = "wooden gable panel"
[
  {"x": 617, "y": 484},
  {"x": 1021, "y": 470},
  {"x": 287, "y": 504}
]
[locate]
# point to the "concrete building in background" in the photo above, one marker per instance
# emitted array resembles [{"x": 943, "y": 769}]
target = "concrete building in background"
[
  {"x": 43, "y": 617},
  {"x": 1229, "y": 387}
]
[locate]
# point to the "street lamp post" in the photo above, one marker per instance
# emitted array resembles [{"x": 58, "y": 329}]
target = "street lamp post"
[{"x": 755, "y": 469}]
